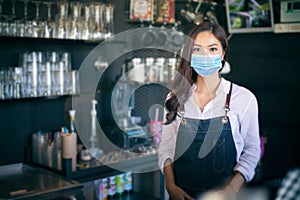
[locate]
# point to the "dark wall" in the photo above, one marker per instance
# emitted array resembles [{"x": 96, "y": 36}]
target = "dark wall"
[
  {"x": 20, "y": 118},
  {"x": 269, "y": 65}
]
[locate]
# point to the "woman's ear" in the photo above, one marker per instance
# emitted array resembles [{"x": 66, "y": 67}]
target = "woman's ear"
[{"x": 223, "y": 55}]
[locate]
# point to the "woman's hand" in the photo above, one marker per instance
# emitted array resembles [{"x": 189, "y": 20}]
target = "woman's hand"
[{"x": 176, "y": 193}]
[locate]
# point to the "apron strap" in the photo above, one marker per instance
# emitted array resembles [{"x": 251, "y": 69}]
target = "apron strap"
[{"x": 227, "y": 103}]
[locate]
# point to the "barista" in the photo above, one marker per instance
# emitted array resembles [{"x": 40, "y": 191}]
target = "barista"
[{"x": 210, "y": 139}]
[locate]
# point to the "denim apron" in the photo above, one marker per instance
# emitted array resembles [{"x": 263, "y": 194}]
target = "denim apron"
[{"x": 205, "y": 153}]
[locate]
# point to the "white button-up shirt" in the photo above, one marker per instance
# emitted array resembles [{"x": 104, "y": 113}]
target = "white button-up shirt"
[{"x": 243, "y": 116}]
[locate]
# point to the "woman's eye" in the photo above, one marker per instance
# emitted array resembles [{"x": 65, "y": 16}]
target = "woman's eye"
[
  {"x": 196, "y": 49},
  {"x": 213, "y": 49}
]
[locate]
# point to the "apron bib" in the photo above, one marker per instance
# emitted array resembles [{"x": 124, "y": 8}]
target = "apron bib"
[
  {"x": 205, "y": 158},
  {"x": 205, "y": 152}
]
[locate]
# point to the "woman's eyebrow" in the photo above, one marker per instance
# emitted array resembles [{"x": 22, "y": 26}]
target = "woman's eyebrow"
[
  {"x": 197, "y": 45},
  {"x": 208, "y": 45}
]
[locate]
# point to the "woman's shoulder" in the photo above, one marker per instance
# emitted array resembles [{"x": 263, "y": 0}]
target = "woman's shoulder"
[{"x": 240, "y": 92}]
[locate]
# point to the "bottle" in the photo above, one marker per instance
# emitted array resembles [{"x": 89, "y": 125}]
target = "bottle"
[
  {"x": 72, "y": 121},
  {"x": 111, "y": 186},
  {"x": 127, "y": 179},
  {"x": 119, "y": 184},
  {"x": 69, "y": 142},
  {"x": 103, "y": 189}
]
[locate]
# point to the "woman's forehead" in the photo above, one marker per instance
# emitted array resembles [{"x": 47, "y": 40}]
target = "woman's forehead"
[{"x": 206, "y": 38}]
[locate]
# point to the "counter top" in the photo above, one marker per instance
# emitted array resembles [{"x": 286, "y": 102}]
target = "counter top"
[
  {"x": 20, "y": 181},
  {"x": 96, "y": 170}
]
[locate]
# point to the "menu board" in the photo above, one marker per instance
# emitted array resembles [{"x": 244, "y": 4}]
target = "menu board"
[{"x": 141, "y": 9}]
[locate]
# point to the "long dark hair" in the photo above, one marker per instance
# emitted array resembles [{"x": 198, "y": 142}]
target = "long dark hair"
[{"x": 186, "y": 76}]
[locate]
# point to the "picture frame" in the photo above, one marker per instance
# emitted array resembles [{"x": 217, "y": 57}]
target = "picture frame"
[
  {"x": 165, "y": 11},
  {"x": 141, "y": 10},
  {"x": 248, "y": 16}
]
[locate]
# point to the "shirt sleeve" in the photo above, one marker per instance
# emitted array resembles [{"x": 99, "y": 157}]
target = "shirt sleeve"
[
  {"x": 249, "y": 130},
  {"x": 166, "y": 147}
]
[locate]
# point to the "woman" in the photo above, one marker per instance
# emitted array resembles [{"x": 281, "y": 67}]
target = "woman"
[{"x": 210, "y": 140}]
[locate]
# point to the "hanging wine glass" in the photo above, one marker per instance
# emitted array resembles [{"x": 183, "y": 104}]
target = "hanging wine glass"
[
  {"x": 4, "y": 23},
  {"x": 37, "y": 25},
  {"x": 20, "y": 27},
  {"x": 12, "y": 20},
  {"x": 61, "y": 19},
  {"x": 25, "y": 29},
  {"x": 109, "y": 20},
  {"x": 74, "y": 21},
  {"x": 98, "y": 27},
  {"x": 49, "y": 25},
  {"x": 87, "y": 21}
]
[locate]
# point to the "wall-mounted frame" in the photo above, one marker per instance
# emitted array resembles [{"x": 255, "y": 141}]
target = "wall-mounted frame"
[{"x": 246, "y": 16}]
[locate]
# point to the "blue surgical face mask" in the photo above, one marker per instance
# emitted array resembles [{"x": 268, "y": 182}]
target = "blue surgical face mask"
[{"x": 206, "y": 65}]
